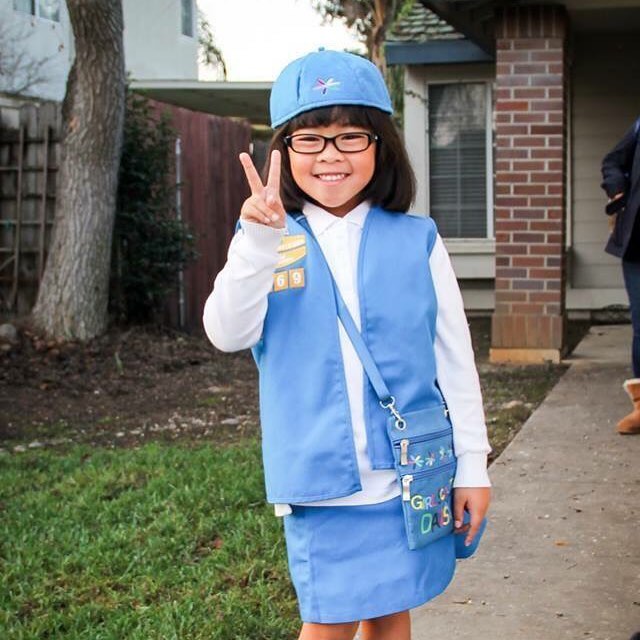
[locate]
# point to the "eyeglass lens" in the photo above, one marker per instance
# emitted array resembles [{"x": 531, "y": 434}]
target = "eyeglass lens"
[{"x": 346, "y": 142}]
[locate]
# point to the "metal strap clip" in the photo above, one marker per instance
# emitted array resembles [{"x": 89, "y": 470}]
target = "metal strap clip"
[{"x": 400, "y": 423}]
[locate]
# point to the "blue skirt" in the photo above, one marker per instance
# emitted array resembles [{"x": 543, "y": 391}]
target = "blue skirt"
[{"x": 351, "y": 563}]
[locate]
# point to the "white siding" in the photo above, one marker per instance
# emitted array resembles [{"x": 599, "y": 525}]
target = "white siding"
[
  {"x": 605, "y": 101},
  {"x": 153, "y": 43},
  {"x": 45, "y": 41}
]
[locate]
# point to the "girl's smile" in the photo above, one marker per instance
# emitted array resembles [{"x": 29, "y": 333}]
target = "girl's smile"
[{"x": 332, "y": 178}]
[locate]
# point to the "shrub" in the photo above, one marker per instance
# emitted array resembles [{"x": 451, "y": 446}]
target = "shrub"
[{"x": 150, "y": 244}]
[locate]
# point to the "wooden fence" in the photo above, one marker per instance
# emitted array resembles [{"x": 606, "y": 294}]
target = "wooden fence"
[
  {"x": 28, "y": 165},
  {"x": 212, "y": 189}
]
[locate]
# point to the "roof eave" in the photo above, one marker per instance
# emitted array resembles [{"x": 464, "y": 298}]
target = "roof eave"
[
  {"x": 460, "y": 20},
  {"x": 436, "y": 52}
]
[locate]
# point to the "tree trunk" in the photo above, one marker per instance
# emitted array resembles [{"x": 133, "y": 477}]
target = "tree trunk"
[
  {"x": 384, "y": 12},
  {"x": 73, "y": 295}
]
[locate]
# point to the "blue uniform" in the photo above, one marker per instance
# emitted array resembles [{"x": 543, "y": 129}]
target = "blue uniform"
[
  {"x": 307, "y": 436},
  {"x": 348, "y": 562}
]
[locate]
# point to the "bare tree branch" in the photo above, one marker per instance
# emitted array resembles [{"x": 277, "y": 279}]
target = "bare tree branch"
[
  {"x": 20, "y": 72},
  {"x": 371, "y": 19},
  {"x": 210, "y": 54}
]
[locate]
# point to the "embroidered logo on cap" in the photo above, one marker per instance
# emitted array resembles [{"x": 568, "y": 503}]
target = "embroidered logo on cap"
[{"x": 323, "y": 86}]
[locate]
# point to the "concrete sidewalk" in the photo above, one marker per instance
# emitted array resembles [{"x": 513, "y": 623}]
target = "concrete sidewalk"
[{"x": 561, "y": 556}]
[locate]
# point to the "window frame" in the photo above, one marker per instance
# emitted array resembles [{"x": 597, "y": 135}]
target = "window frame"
[
  {"x": 35, "y": 11},
  {"x": 193, "y": 20},
  {"x": 488, "y": 93}
]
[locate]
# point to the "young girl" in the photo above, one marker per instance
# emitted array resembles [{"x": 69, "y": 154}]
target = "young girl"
[{"x": 334, "y": 205}]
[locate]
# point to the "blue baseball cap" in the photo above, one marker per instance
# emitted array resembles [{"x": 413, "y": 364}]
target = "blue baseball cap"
[{"x": 324, "y": 79}]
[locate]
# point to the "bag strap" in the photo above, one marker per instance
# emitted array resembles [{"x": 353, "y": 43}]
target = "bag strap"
[{"x": 387, "y": 401}]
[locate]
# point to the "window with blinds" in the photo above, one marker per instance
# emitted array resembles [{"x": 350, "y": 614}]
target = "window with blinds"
[{"x": 458, "y": 159}]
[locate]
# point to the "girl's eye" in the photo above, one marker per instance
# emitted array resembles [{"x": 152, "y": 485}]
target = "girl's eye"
[
  {"x": 350, "y": 137},
  {"x": 353, "y": 142}
]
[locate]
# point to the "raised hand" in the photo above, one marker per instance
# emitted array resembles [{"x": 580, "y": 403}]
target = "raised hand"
[{"x": 264, "y": 205}]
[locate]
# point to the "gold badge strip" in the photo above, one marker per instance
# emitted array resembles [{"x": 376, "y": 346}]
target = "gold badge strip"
[{"x": 291, "y": 249}]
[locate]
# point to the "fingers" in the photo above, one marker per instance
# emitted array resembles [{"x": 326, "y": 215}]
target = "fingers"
[
  {"x": 273, "y": 179},
  {"x": 476, "y": 521},
  {"x": 264, "y": 205},
  {"x": 458, "y": 510},
  {"x": 256, "y": 209},
  {"x": 253, "y": 178},
  {"x": 475, "y": 500}
]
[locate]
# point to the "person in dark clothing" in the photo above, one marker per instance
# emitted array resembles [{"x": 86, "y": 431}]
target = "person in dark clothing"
[{"x": 621, "y": 182}]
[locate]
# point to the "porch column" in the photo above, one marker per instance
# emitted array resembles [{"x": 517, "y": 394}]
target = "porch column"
[{"x": 528, "y": 324}]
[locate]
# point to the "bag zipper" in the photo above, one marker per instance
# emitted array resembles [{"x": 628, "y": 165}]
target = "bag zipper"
[
  {"x": 410, "y": 477},
  {"x": 405, "y": 442}
]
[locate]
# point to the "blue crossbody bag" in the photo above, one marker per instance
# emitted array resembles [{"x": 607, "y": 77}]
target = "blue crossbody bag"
[{"x": 422, "y": 443}]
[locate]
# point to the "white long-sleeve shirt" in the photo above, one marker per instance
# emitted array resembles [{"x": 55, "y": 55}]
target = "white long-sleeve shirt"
[{"x": 234, "y": 314}]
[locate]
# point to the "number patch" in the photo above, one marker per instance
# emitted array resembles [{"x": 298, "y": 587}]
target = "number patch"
[{"x": 291, "y": 279}]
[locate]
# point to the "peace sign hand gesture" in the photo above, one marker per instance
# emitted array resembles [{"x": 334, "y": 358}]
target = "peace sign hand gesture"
[{"x": 264, "y": 205}]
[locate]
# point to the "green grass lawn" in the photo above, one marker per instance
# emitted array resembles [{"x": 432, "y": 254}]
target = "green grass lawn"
[
  {"x": 157, "y": 542},
  {"x": 163, "y": 541}
]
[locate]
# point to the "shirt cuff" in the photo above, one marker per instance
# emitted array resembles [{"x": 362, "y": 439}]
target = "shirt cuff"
[
  {"x": 261, "y": 232},
  {"x": 615, "y": 187},
  {"x": 282, "y": 510},
  {"x": 472, "y": 471},
  {"x": 259, "y": 244}
]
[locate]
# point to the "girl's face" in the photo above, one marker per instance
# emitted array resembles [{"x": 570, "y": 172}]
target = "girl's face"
[{"x": 332, "y": 178}]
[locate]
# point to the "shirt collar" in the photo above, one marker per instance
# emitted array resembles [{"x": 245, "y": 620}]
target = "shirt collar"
[{"x": 321, "y": 220}]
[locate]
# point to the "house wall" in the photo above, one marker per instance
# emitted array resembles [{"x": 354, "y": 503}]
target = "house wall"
[
  {"x": 45, "y": 41},
  {"x": 528, "y": 323},
  {"x": 604, "y": 102},
  {"x": 153, "y": 43},
  {"x": 605, "y": 99}
]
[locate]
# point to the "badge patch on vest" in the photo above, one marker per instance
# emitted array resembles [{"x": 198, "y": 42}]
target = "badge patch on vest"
[
  {"x": 290, "y": 279},
  {"x": 291, "y": 249},
  {"x": 281, "y": 281},
  {"x": 296, "y": 278}
]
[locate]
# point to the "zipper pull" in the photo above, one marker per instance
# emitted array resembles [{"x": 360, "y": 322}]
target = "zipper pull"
[
  {"x": 404, "y": 451},
  {"x": 446, "y": 412},
  {"x": 406, "y": 488}
]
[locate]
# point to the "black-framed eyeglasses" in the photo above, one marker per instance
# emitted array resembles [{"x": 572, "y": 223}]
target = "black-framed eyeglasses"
[{"x": 350, "y": 142}]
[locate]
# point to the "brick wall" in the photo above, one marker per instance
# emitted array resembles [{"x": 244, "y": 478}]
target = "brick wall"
[{"x": 530, "y": 165}]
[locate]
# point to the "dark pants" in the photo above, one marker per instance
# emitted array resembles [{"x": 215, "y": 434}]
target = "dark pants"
[{"x": 631, "y": 272}]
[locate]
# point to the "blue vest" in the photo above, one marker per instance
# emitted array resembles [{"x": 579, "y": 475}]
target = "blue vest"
[{"x": 307, "y": 438}]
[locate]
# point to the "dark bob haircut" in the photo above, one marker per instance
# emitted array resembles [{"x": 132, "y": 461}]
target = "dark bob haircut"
[{"x": 393, "y": 183}]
